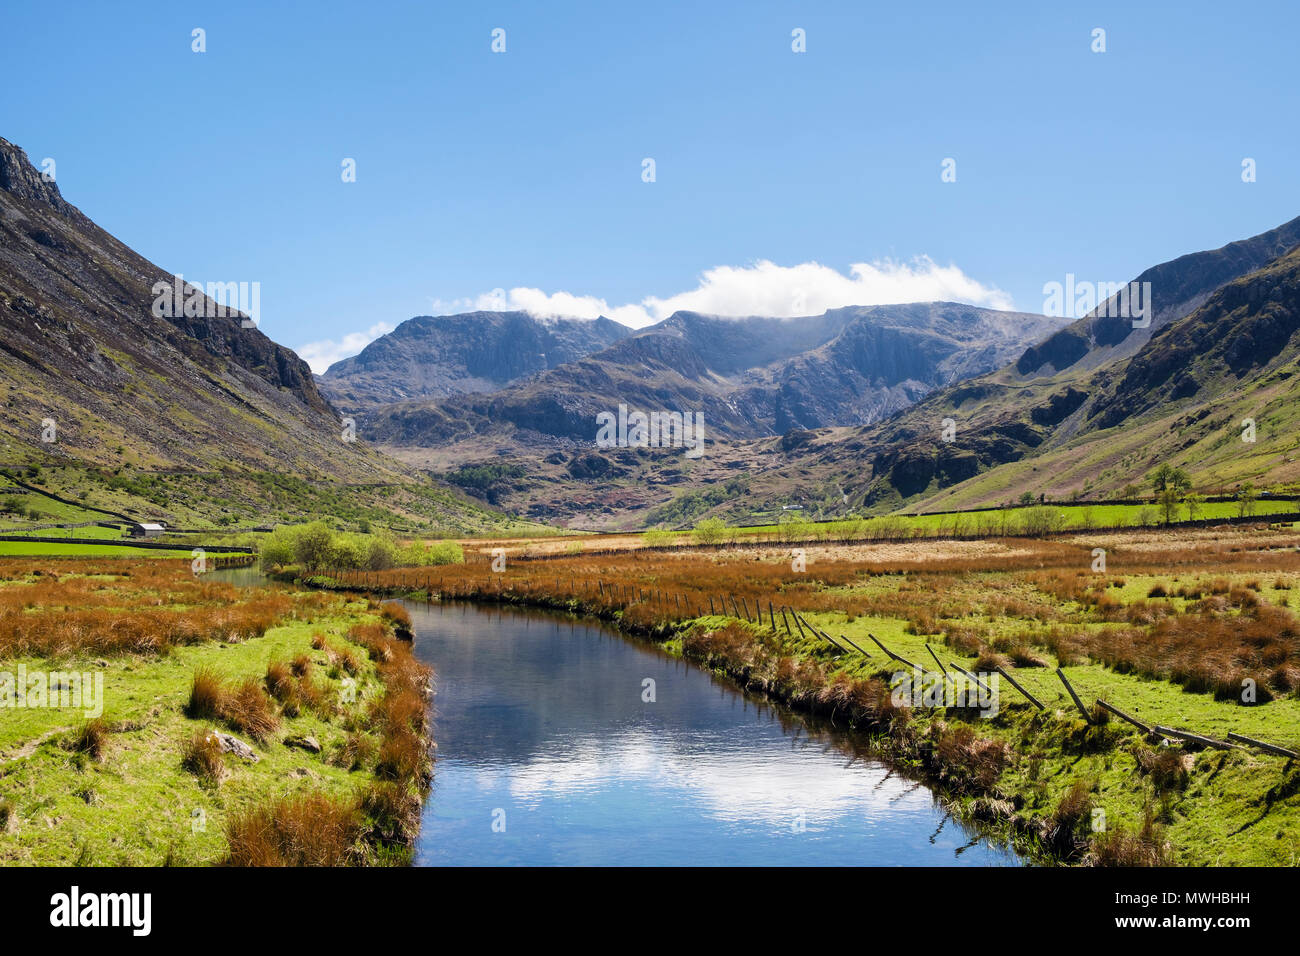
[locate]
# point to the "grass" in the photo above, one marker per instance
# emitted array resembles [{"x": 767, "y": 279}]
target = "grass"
[
  {"x": 147, "y": 783},
  {"x": 1030, "y": 606},
  {"x": 310, "y": 829},
  {"x": 15, "y": 549}
]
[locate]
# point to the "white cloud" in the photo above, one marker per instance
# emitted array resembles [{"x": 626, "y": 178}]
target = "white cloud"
[
  {"x": 763, "y": 288},
  {"x": 324, "y": 353}
]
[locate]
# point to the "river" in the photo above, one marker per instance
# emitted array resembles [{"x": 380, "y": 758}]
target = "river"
[{"x": 562, "y": 742}]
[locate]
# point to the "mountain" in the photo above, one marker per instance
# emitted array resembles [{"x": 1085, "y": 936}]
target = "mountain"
[
  {"x": 749, "y": 377},
  {"x": 1093, "y": 408},
  {"x": 440, "y": 356},
  {"x": 105, "y": 390},
  {"x": 1088, "y": 410}
]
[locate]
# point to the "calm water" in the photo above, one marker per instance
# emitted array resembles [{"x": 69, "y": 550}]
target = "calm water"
[
  {"x": 549, "y": 753},
  {"x": 542, "y": 730}
]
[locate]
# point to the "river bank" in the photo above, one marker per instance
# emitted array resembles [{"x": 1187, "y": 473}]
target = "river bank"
[
  {"x": 166, "y": 718},
  {"x": 1153, "y": 637},
  {"x": 562, "y": 742}
]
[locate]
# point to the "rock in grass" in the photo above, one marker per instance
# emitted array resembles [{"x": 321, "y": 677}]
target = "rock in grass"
[
  {"x": 233, "y": 745},
  {"x": 310, "y": 744}
]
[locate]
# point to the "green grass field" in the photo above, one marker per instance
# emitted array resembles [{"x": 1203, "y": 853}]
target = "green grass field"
[
  {"x": 140, "y": 806},
  {"x": 40, "y": 548},
  {"x": 1030, "y": 519}
]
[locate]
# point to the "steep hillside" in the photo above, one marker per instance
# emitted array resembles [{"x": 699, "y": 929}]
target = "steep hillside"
[
  {"x": 1015, "y": 415},
  {"x": 441, "y": 356},
  {"x": 1187, "y": 398},
  {"x": 96, "y": 388}
]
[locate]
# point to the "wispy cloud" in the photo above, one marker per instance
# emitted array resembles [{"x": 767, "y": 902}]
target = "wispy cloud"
[
  {"x": 762, "y": 288},
  {"x": 322, "y": 354}
]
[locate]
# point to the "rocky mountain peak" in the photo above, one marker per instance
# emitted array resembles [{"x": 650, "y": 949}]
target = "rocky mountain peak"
[{"x": 21, "y": 179}]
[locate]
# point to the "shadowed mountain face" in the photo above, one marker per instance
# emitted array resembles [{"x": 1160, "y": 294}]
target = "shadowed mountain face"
[
  {"x": 1223, "y": 326},
  {"x": 440, "y": 356},
  {"x": 748, "y": 377},
  {"x": 1092, "y": 417},
  {"x": 1177, "y": 287},
  {"x": 80, "y": 345}
]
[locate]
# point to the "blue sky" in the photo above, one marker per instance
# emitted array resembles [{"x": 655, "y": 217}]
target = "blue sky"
[{"x": 479, "y": 171}]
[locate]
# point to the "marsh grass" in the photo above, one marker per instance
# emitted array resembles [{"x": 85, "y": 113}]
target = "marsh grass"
[
  {"x": 202, "y": 757},
  {"x": 92, "y": 739},
  {"x": 311, "y": 829}
]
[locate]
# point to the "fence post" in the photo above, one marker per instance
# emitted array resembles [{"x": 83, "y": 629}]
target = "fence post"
[
  {"x": 1032, "y": 699},
  {"x": 1077, "y": 703}
]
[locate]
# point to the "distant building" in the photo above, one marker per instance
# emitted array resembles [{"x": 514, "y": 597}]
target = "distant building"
[{"x": 148, "y": 529}]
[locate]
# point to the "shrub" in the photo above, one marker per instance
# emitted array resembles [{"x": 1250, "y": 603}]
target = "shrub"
[
  {"x": 313, "y": 829},
  {"x": 248, "y": 709},
  {"x": 969, "y": 759},
  {"x": 1117, "y": 847},
  {"x": 280, "y": 681},
  {"x": 202, "y": 757},
  {"x": 357, "y": 751},
  {"x": 393, "y": 812},
  {"x": 1066, "y": 821},
  {"x": 395, "y": 614},
  {"x": 92, "y": 739},
  {"x": 207, "y": 696},
  {"x": 709, "y": 531}
]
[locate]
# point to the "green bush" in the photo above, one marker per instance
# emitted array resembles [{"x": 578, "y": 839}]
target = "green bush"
[{"x": 709, "y": 531}]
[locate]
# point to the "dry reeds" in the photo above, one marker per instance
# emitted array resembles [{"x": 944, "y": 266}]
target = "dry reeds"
[
  {"x": 313, "y": 829},
  {"x": 92, "y": 739},
  {"x": 244, "y": 707},
  {"x": 202, "y": 757}
]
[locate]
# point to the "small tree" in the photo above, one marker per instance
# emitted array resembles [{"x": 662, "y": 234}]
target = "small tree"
[
  {"x": 314, "y": 545},
  {"x": 1160, "y": 478},
  {"x": 709, "y": 531},
  {"x": 1168, "y": 501},
  {"x": 1194, "y": 503},
  {"x": 1246, "y": 498},
  {"x": 277, "y": 548}
]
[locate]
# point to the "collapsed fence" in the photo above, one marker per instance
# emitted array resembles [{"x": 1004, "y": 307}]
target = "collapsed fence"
[{"x": 663, "y": 613}]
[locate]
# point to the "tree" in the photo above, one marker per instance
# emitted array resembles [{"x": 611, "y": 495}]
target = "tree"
[
  {"x": 314, "y": 545},
  {"x": 1193, "y": 502},
  {"x": 1027, "y": 498},
  {"x": 1160, "y": 478},
  {"x": 1246, "y": 497},
  {"x": 709, "y": 531},
  {"x": 1168, "y": 501},
  {"x": 277, "y": 548}
]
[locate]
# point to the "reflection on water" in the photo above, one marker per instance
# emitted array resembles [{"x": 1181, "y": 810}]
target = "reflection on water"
[{"x": 549, "y": 752}]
